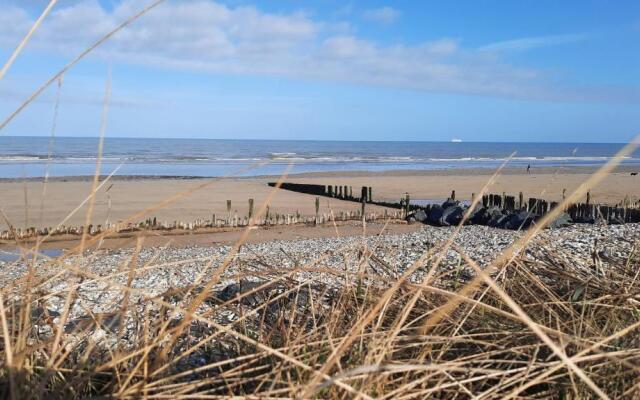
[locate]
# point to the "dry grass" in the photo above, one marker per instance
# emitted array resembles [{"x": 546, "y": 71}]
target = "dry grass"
[{"x": 295, "y": 336}]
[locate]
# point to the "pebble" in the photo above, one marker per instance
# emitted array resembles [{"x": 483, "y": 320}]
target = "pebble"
[{"x": 169, "y": 272}]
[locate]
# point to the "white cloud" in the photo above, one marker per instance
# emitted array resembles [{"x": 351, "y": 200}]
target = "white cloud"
[
  {"x": 384, "y": 15},
  {"x": 529, "y": 43},
  {"x": 210, "y": 37}
]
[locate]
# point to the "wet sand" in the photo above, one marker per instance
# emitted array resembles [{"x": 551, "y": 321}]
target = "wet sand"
[{"x": 30, "y": 204}]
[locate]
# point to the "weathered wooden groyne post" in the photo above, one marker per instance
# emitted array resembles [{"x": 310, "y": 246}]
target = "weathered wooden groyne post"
[
  {"x": 317, "y": 220},
  {"x": 228, "y": 212},
  {"x": 407, "y": 204},
  {"x": 521, "y": 201}
]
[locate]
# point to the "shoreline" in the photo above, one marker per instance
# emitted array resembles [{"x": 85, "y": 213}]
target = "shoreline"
[{"x": 485, "y": 171}]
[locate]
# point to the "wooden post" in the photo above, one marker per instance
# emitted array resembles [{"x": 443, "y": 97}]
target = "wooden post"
[
  {"x": 564, "y": 194},
  {"x": 330, "y": 191},
  {"x": 407, "y": 201},
  {"x": 532, "y": 204},
  {"x": 351, "y": 192},
  {"x": 588, "y": 197},
  {"x": 473, "y": 197},
  {"x": 520, "y": 200},
  {"x": 363, "y": 194},
  {"x": 228, "y": 212},
  {"x": 363, "y": 201},
  {"x": 339, "y": 189},
  {"x": 250, "y": 209},
  {"x": 370, "y": 195},
  {"x": 317, "y": 209},
  {"x": 453, "y": 195}
]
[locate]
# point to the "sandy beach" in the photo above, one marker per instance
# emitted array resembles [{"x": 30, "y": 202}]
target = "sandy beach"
[{"x": 30, "y": 203}]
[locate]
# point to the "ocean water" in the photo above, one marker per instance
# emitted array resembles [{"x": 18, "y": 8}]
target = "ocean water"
[{"x": 37, "y": 156}]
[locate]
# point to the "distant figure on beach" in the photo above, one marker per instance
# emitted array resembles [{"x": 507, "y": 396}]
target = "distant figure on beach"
[{"x": 528, "y": 168}]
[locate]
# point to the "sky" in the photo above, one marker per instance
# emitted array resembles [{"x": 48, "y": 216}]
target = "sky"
[{"x": 476, "y": 70}]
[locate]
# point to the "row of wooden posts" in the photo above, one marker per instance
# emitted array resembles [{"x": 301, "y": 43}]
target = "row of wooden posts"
[
  {"x": 579, "y": 212},
  {"x": 230, "y": 220},
  {"x": 586, "y": 211},
  {"x": 342, "y": 192}
]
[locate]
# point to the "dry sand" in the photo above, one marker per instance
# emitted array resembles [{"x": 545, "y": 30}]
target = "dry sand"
[{"x": 120, "y": 198}]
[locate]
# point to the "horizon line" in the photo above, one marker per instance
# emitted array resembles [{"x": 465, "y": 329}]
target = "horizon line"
[{"x": 309, "y": 140}]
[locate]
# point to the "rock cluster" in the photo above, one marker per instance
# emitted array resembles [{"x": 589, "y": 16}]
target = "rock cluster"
[{"x": 452, "y": 212}]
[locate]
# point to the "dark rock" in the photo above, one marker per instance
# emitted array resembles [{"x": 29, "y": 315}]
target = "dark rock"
[
  {"x": 436, "y": 214},
  {"x": 235, "y": 290},
  {"x": 479, "y": 216},
  {"x": 39, "y": 313},
  {"x": 450, "y": 203},
  {"x": 518, "y": 220},
  {"x": 110, "y": 322},
  {"x": 452, "y": 216},
  {"x": 496, "y": 217},
  {"x": 561, "y": 221}
]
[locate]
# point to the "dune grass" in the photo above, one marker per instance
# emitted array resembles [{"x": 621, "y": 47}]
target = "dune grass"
[{"x": 296, "y": 333}]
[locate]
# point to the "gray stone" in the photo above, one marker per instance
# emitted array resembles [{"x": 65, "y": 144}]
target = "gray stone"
[
  {"x": 452, "y": 216},
  {"x": 420, "y": 216},
  {"x": 561, "y": 221}
]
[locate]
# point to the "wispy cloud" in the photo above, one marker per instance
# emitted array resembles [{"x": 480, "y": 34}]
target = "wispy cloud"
[
  {"x": 383, "y": 15},
  {"x": 211, "y": 37},
  {"x": 529, "y": 43}
]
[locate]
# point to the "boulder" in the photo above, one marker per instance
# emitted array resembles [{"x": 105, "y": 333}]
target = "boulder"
[
  {"x": 452, "y": 216},
  {"x": 450, "y": 203},
  {"x": 420, "y": 216},
  {"x": 518, "y": 220},
  {"x": 561, "y": 221},
  {"x": 435, "y": 214},
  {"x": 496, "y": 217},
  {"x": 479, "y": 216}
]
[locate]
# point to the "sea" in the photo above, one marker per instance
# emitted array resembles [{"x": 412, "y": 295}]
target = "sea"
[{"x": 33, "y": 157}]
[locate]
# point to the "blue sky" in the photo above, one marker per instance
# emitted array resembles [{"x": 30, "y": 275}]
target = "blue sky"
[{"x": 405, "y": 70}]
